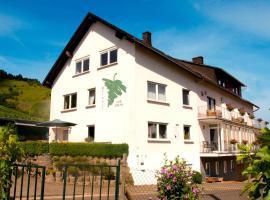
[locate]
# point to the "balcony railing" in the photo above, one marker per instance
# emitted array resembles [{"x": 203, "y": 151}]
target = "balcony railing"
[
  {"x": 224, "y": 113},
  {"x": 226, "y": 147}
]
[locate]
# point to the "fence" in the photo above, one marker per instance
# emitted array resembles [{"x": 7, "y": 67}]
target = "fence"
[
  {"x": 92, "y": 181},
  {"x": 23, "y": 176}
]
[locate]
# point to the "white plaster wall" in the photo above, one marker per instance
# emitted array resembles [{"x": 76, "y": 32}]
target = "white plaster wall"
[{"x": 111, "y": 123}]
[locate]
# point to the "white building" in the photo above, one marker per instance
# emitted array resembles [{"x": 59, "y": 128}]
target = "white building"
[{"x": 156, "y": 104}]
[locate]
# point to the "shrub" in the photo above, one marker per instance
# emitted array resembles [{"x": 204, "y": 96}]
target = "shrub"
[
  {"x": 10, "y": 153},
  {"x": 175, "y": 181},
  {"x": 88, "y": 149},
  {"x": 33, "y": 148},
  {"x": 197, "y": 177},
  {"x": 73, "y": 171}
]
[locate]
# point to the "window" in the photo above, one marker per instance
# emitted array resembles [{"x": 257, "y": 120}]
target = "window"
[
  {"x": 92, "y": 97},
  {"x": 225, "y": 167},
  {"x": 207, "y": 169},
  {"x": 185, "y": 97},
  {"x": 217, "y": 167},
  {"x": 91, "y": 133},
  {"x": 82, "y": 65},
  {"x": 70, "y": 101},
  {"x": 65, "y": 135},
  {"x": 211, "y": 103},
  {"x": 156, "y": 92},
  {"x": 232, "y": 165},
  {"x": 108, "y": 57},
  {"x": 157, "y": 130},
  {"x": 187, "y": 132}
]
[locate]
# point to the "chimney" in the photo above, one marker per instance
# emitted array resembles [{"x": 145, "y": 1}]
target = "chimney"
[
  {"x": 147, "y": 38},
  {"x": 198, "y": 60}
]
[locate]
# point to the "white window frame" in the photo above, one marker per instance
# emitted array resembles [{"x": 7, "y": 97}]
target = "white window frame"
[
  {"x": 108, "y": 52},
  {"x": 70, "y": 101},
  {"x": 157, "y": 85},
  {"x": 209, "y": 167},
  {"x": 189, "y": 126},
  {"x": 225, "y": 167},
  {"x": 89, "y": 91},
  {"x": 157, "y": 131},
  {"x": 217, "y": 167},
  {"x": 81, "y": 60},
  {"x": 188, "y": 97}
]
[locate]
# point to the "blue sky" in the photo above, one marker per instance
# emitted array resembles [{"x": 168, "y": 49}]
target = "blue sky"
[{"x": 234, "y": 35}]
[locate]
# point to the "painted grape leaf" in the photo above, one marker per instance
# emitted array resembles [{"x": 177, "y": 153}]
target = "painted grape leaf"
[{"x": 115, "y": 89}]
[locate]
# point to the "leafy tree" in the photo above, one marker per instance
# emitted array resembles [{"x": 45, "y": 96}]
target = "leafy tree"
[
  {"x": 258, "y": 166},
  {"x": 10, "y": 152}
]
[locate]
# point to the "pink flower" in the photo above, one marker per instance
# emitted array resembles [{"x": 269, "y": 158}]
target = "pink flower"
[{"x": 168, "y": 187}]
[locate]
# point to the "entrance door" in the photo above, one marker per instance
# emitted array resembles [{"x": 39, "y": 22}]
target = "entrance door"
[{"x": 214, "y": 138}]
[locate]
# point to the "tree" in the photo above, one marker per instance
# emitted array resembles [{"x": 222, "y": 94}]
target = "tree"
[
  {"x": 10, "y": 152},
  {"x": 258, "y": 167}
]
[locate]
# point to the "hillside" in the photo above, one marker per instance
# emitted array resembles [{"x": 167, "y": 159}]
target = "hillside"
[{"x": 24, "y": 99}]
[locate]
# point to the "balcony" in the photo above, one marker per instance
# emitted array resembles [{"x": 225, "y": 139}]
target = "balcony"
[{"x": 204, "y": 114}]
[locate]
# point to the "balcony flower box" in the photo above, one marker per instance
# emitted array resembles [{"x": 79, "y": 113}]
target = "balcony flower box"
[
  {"x": 212, "y": 179},
  {"x": 242, "y": 111},
  {"x": 238, "y": 120},
  {"x": 230, "y": 107},
  {"x": 256, "y": 142},
  {"x": 244, "y": 142},
  {"x": 214, "y": 113},
  {"x": 251, "y": 116},
  {"x": 233, "y": 141}
]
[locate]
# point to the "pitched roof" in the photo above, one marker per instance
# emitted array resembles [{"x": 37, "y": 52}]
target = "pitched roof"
[{"x": 204, "y": 72}]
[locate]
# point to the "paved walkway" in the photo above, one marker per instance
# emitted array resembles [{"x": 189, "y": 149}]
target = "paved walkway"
[{"x": 211, "y": 191}]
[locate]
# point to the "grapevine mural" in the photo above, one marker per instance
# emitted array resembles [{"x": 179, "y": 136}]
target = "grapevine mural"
[{"x": 115, "y": 89}]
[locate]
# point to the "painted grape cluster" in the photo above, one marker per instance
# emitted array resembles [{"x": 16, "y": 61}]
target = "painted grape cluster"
[{"x": 115, "y": 88}]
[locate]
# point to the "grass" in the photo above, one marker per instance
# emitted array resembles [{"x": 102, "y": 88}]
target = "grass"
[{"x": 30, "y": 100}]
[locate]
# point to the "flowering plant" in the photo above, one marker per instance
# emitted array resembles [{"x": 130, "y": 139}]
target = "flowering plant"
[
  {"x": 233, "y": 141},
  {"x": 229, "y": 106},
  {"x": 251, "y": 115},
  {"x": 242, "y": 111},
  {"x": 175, "y": 181}
]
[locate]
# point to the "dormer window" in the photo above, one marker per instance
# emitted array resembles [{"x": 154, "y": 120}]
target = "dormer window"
[{"x": 82, "y": 65}]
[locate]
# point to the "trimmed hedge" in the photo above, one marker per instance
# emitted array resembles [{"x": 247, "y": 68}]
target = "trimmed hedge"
[
  {"x": 32, "y": 148},
  {"x": 88, "y": 149}
]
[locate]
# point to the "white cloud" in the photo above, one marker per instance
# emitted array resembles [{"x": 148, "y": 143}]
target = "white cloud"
[
  {"x": 9, "y": 25},
  {"x": 30, "y": 68},
  {"x": 249, "y": 16}
]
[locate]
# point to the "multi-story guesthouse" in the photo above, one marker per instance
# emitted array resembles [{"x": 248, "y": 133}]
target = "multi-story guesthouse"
[{"x": 120, "y": 89}]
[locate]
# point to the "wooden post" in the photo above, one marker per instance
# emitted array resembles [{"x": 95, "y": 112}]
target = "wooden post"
[{"x": 123, "y": 182}]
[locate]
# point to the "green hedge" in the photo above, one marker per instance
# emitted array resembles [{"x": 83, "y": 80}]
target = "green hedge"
[
  {"x": 32, "y": 148},
  {"x": 88, "y": 149}
]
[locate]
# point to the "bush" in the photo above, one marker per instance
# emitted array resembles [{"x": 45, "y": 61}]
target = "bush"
[
  {"x": 10, "y": 153},
  {"x": 33, "y": 148},
  {"x": 197, "y": 177},
  {"x": 175, "y": 181},
  {"x": 88, "y": 149}
]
